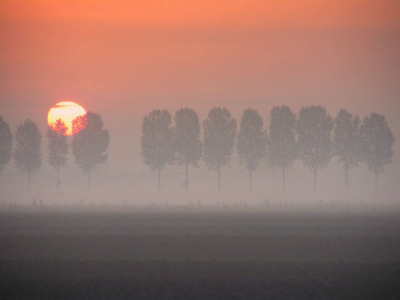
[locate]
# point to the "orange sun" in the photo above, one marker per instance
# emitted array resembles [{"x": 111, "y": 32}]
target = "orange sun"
[{"x": 66, "y": 111}]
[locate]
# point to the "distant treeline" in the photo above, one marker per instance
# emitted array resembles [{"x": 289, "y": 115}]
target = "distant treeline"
[{"x": 313, "y": 137}]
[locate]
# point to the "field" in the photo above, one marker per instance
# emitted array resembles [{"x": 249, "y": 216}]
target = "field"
[{"x": 199, "y": 253}]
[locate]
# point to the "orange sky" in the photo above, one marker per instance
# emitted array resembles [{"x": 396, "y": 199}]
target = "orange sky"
[{"x": 159, "y": 53}]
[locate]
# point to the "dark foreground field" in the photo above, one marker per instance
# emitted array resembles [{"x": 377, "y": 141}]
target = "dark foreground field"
[{"x": 130, "y": 254}]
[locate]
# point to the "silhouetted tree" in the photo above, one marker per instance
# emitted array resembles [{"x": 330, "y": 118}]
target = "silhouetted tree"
[
  {"x": 58, "y": 147},
  {"x": 219, "y": 140},
  {"x": 282, "y": 148},
  {"x": 346, "y": 141},
  {"x": 6, "y": 143},
  {"x": 27, "y": 155},
  {"x": 187, "y": 140},
  {"x": 377, "y": 141},
  {"x": 314, "y": 127},
  {"x": 157, "y": 138},
  {"x": 90, "y": 143},
  {"x": 251, "y": 141}
]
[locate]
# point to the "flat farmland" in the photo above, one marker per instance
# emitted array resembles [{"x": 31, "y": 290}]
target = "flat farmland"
[{"x": 125, "y": 253}]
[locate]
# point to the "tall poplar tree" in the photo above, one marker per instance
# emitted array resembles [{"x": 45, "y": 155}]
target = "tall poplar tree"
[
  {"x": 156, "y": 141},
  {"x": 377, "y": 142},
  {"x": 219, "y": 140},
  {"x": 282, "y": 148},
  {"x": 314, "y": 127},
  {"x": 346, "y": 142},
  {"x": 58, "y": 147},
  {"x": 251, "y": 141},
  {"x": 6, "y": 143},
  {"x": 187, "y": 140},
  {"x": 28, "y": 155},
  {"x": 90, "y": 143}
]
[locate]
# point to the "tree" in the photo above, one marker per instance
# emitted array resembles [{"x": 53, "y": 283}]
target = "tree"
[
  {"x": 58, "y": 147},
  {"x": 219, "y": 140},
  {"x": 282, "y": 148},
  {"x": 376, "y": 141},
  {"x": 314, "y": 127},
  {"x": 6, "y": 143},
  {"x": 251, "y": 141},
  {"x": 187, "y": 140},
  {"x": 28, "y": 155},
  {"x": 157, "y": 138},
  {"x": 346, "y": 141},
  {"x": 90, "y": 142}
]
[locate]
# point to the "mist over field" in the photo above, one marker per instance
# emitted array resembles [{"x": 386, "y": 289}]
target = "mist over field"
[{"x": 124, "y": 176}]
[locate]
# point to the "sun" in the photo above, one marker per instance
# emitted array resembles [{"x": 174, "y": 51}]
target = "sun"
[{"x": 67, "y": 111}]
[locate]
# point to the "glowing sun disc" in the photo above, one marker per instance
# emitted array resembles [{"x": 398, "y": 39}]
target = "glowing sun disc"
[{"x": 67, "y": 111}]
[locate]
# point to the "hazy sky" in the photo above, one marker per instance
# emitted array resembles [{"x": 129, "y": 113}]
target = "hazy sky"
[
  {"x": 147, "y": 54},
  {"x": 124, "y": 58}
]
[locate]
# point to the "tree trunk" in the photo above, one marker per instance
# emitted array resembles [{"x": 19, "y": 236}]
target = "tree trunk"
[
  {"x": 219, "y": 179},
  {"x": 89, "y": 179},
  {"x": 346, "y": 179},
  {"x": 58, "y": 178},
  {"x": 159, "y": 180},
  {"x": 315, "y": 180},
  {"x": 29, "y": 180},
  {"x": 187, "y": 178},
  {"x": 376, "y": 180},
  {"x": 283, "y": 178}
]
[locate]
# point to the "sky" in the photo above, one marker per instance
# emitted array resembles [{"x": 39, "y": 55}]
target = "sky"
[{"x": 124, "y": 58}]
